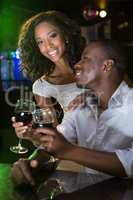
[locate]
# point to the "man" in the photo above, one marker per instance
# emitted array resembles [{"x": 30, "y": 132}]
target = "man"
[{"x": 103, "y": 143}]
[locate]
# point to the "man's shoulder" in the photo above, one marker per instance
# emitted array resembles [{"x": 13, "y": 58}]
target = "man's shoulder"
[{"x": 129, "y": 98}]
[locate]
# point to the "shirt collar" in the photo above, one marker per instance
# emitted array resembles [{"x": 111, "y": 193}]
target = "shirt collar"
[
  {"x": 115, "y": 101},
  {"x": 119, "y": 95},
  {"x": 92, "y": 103}
]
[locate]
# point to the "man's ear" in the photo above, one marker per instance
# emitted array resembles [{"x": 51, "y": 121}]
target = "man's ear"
[{"x": 107, "y": 65}]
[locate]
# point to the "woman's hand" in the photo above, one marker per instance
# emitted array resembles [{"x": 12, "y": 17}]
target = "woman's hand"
[
  {"x": 25, "y": 132},
  {"x": 22, "y": 131},
  {"x": 79, "y": 100}
]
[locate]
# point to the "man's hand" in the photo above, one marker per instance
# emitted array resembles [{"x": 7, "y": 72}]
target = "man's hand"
[{"x": 54, "y": 142}]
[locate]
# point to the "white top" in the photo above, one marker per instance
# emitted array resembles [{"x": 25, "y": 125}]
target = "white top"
[
  {"x": 64, "y": 94},
  {"x": 111, "y": 131}
]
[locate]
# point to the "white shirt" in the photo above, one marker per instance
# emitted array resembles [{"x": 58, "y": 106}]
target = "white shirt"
[
  {"x": 64, "y": 94},
  {"x": 112, "y": 131}
]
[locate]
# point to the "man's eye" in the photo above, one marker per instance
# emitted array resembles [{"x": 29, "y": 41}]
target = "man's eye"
[
  {"x": 39, "y": 42},
  {"x": 83, "y": 59},
  {"x": 86, "y": 59}
]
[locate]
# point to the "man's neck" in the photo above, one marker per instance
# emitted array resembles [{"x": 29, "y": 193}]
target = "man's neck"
[{"x": 104, "y": 94}]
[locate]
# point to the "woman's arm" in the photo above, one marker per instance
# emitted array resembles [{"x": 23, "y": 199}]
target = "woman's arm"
[{"x": 26, "y": 132}]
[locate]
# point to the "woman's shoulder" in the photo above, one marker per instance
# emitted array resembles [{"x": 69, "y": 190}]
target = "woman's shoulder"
[
  {"x": 40, "y": 82},
  {"x": 43, "y": 88}
]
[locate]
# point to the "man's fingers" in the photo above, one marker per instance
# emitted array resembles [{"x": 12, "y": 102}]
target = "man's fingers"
[
  {"x": 46, "y": 138},
  {"x": 47, "y": 131}
]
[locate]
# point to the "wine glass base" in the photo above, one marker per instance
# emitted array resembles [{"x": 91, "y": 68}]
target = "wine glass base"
[{"x": 18, "y": 149}]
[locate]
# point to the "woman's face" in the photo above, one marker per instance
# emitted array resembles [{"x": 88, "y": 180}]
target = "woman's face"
[{"x": 49, "y": 41}]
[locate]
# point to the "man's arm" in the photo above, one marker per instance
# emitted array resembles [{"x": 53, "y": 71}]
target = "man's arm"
[
  {"x": 56, "y": 144},
  {"x": 106, "y": 162}
]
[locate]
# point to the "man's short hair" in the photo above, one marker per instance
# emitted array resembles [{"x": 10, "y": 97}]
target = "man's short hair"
[{"x": 114, "y": 51}]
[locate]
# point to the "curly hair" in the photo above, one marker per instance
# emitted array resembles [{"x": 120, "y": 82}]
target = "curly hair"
[{"x": 31, "y": 60}]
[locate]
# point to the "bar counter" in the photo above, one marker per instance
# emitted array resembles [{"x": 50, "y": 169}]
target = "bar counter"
[{"x": 65, "y": 184}]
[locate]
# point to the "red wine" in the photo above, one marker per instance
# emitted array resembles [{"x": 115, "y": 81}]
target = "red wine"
[
  {"x": 44, "y": 125},
  {"x": 24, "y": 117}
]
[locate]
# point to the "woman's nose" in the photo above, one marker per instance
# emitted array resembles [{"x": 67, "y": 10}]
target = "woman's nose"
[{"x": 49, "y": 44}]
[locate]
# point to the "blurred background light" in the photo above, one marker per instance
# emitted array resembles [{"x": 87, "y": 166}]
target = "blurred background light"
[{"x": 102, "y": 13}]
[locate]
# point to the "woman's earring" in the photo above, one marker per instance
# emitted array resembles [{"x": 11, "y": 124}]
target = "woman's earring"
[{"x": 66, "y": 42}]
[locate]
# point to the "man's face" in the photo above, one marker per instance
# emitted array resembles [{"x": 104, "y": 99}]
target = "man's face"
[{"x": 89, "y": 68}]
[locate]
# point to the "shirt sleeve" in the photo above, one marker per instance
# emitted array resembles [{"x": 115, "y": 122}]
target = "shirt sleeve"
[
  {"x": 41, "y": 88},
  {"x": 68, "y": 128},
  {"x": 126, "y": 158}
]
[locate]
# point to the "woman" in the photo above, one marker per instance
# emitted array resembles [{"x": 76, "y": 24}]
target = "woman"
[{"x": 50, "y": 44}]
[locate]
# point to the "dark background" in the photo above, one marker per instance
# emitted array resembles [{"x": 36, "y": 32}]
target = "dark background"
[{"x": 14, "y": 12}]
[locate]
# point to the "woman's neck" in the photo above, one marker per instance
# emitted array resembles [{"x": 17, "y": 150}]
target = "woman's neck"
[
  {"x": 63, "y": 67},
  {"x": 62, "y": 74}
]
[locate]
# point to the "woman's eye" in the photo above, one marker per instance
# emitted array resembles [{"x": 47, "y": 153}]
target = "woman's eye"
[{"x": 53, "y": 35}]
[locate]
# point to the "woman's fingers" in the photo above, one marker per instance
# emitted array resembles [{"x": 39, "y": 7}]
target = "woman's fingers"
[
  {"x": 13, "y": 119},
  {"x": 20, "y": 129},
  {"x": 80, "y": 99}
]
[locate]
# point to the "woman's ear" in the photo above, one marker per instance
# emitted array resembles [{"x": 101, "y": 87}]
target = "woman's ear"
[{"x": 107, "y": 65}]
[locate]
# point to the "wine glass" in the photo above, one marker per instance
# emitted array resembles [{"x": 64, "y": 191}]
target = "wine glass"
[
  {"x": 43, "y": 117},
  {"x": 23, "y": 113}
]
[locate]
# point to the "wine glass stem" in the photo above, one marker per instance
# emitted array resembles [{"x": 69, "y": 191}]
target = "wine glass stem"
[{"x": 20, "y": 143}]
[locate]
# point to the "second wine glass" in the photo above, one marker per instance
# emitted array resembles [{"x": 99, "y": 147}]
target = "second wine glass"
[{"x": 43, "y": 117}]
